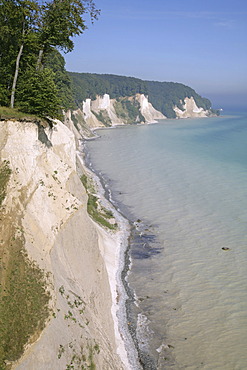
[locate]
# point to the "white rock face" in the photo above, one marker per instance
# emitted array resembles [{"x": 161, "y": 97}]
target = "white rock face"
[
  {"x": 47, "y": 196},
  {"x": 147, "y": 110},
  {"x": 191, "y": 110},
  {"x": 87, "y": 108},
  {"x": 89, "y": 117},
  {"x": 104, "y": 106},
  {"x": 101, "y": 102}
]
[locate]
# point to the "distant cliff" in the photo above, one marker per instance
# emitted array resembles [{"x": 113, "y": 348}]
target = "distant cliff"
[
  {"x": 106, "y": 112},
  {"x": 171, "y": 100}
]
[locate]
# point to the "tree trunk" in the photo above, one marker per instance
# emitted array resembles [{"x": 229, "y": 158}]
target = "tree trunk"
[
  {"x": 12, "y": 99},
  {"x": 39, "y": 61}
]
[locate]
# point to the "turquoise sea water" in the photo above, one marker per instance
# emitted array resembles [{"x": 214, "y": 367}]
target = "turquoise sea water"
[{"x": 186, "y": 180}]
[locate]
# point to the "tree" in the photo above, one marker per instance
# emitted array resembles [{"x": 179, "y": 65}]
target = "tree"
[
  {"x": 21, "y": 17},
  {"x": 38, "y": 94},
  {"x": 61, "y": 20},
  {"x": 29, "y": 31},
  {"x": 55, "y": 61}
]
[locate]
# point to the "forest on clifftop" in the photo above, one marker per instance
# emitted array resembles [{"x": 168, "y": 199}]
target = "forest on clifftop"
[
  {"x": 32, "y": 71},
  {"x": 162, "y": 95}
]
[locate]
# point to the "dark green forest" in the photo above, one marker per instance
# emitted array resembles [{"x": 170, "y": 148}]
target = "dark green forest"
[{"x": 162, "y": 95}]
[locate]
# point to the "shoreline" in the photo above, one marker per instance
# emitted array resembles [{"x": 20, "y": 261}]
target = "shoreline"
[
  {"x": 135, "y": 322},
  {"x": 117, "y": 265}
]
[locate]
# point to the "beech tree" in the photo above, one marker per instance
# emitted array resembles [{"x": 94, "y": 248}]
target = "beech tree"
[
  {"x": 30, "y": 30},
  {"x": 61, "y": 20},
  {"x": 17, "y": 21}
]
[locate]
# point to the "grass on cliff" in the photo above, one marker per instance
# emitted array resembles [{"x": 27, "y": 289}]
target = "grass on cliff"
[
  {"x": 5, "y": 173},
  {"x": 23, "y": 303},
  {"x": 12, "y": 113},
  {"x": 128, "y": 110},
  {"x": 103, "y": 117},
  {"x": 23, "y": 289},
  {"x": 98, "y": 213}
]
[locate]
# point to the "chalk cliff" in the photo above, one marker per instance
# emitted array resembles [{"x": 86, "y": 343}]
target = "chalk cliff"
[
  {"x": 147, "y": 110},
  {"x": 191, "y": 110},
  {"x": 106, "y": 112},
  {"x": 47, "y": 203},
  {"x": 164, "y": 97}
]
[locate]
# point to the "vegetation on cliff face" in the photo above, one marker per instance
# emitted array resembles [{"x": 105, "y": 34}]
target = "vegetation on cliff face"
[
  {"x": 5, "y": 173},
  {"x": 24, "y": 296},
  {"x": 128, "y": 110},
  {"x": 99, "y": 214}
]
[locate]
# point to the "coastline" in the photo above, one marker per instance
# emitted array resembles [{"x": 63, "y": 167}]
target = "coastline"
[
  {"x": 114, "y": 250},
  {"x": 167, "y": 350},
  {"x": 133, "y": 323}
]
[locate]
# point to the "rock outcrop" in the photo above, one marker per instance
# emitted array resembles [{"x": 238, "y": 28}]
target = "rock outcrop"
[
  {"x": 147, "y": 110},
  {"x": 191, "y": 110}
]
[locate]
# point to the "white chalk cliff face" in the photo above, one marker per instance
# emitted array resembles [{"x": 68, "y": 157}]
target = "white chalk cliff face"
[
  {"x": 103, "y": 112},
  {"x": 46, "y": 194},
  {"x": 105, "y": 105},
  {"x": 107, "y": 112},
  {"x": 147, "y": 110},
  {"x": 191, "y": 110}
]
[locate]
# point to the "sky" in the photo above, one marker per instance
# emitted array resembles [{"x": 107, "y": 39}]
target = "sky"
[{"x": 200, "y": 43}]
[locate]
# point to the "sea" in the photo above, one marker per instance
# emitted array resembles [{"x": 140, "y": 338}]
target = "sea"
[{"x": 182, "y": 184}]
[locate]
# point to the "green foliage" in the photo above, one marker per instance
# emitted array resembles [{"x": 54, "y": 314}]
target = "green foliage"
[
  {"x": 23, "y": 300},
  {"x": 55, "y": 61},
  {"x": 38, "y": 93},
  {"x": 62, "y": 20},
  {"x": 4, "y": 95},
  {"x": 86, "y": 85},
  {"x": 128, "y": 110},
  {"x": 98, "y": 213},
  {"x": 5, "y": 173},
  {"x": 103, "y": 117},
  {"x": 15, "y": 114},
  {"x": 29, "y": 32},
  {"x": 162, "y": 95}
]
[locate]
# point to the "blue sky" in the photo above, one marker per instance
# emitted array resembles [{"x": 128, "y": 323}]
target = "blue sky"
[{"x": 199, "y": 43}]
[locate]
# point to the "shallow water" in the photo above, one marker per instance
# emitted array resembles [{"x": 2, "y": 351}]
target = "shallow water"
[{"x": 186, "y": 181}]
